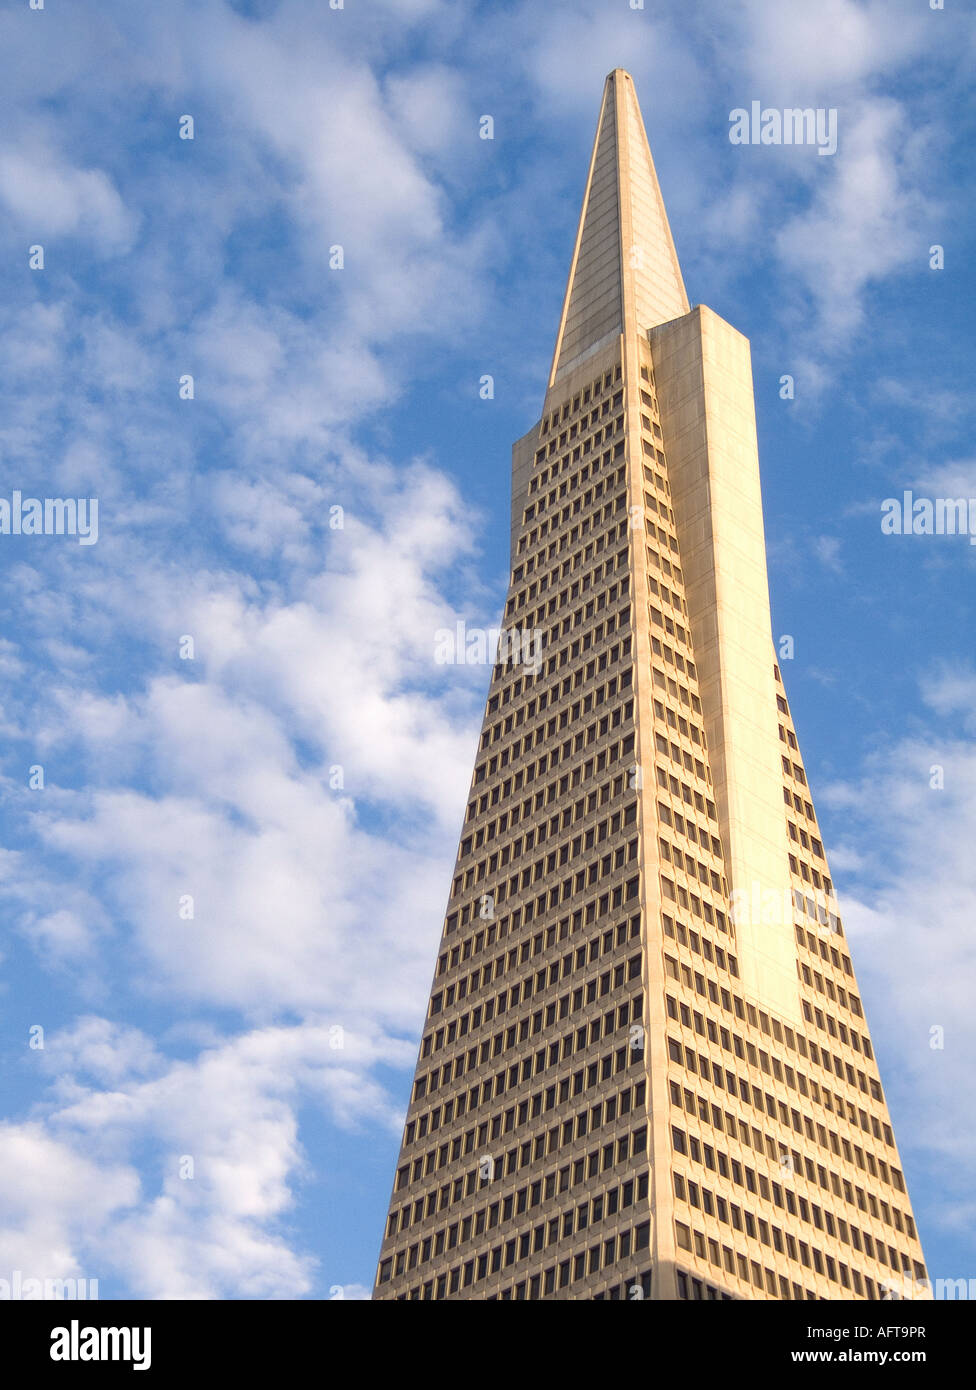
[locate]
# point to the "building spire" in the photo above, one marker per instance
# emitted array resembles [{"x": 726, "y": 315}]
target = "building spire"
[{"x": 625, "y": 268}]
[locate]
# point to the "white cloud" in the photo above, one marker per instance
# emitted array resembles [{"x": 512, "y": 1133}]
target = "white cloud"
[
  {"x": 51, "y": 1193},
  {"x": 307, "y": 768},
  {"x": 865, "y": 221},
  {"x": 827, "y": 550},
  {"x": 60, "y": 935},
  {"x": 952, "y": 690},
  {"x": 956, "y": 478},
  {"x": 49, "y": 198},
  {"x": 108, "y": 1052},
  {"x": 909, "y": 905},
  {"x": 431, "y": 106},
  {"x": 795, "y": 53},
  {"x": 223, "y": 1133}
]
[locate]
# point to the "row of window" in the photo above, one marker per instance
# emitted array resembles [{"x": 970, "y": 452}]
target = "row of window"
[
  {"x": 556, "y": 897},
  {"x": 636, "y": 1286},
  {"x": 690, "y": 730},
  {"x": 520, "y": 992},
  {"x": 602, "y": 1256},
  {"x": 558, "y": 754},
  {"x": 753, "y": 1095},
  {"x": 771, "y": 1065},
  {"x": 494, "y": 1087},
  {"x": 781, "y": 1070},
  {"x": 614, "y": 1201},
  {"x": 540, "y": 943},
  {"x": 796, "y": 1042},
  {"x": 698, "y": 834},
  {"x": 700, "y": 907},
  {"x": 597, "y": 868},
  {"x": 807, "y": 841},
  {"x": 825, "y": 985},
  {"x": 503, "y": 695},
  {"x": 788, "y": 1245},
  {"x": 792, "y": 1162},
  {"x": 763, "y": 1144},
  {"x": 606, "y": 829},
  {"x": 529, "y": 1152},
  {"x": 549, "y": 474},
  {"x": 546, "y": 728},
  {"x": 561, "y": 854},
  {"x": 673, "y": 854},
  {"x": 801, "y": 869},
  {"x": 570, "y": 714},
  {"x": 666, "y": 539},
  {"x": 656, "y": 504},
  {"x": 590, "y": 639},
  {"x": 532, "y": 1150},
  {"x": 534, "y": 563},
  {"x": 560, "y": 453},
  {"x": 607, "y": 866},
  {"x": 682, "y": 791},
  {"x": 765, "y": 1102},
  {"x": 520, "y": 1032},
  {"x": 526, "y": 913},
  {"x": 480, "y": 805},
  {"x": 827, "y": 919},
  {"x": 484, "y": 909},
  {"x": 678, "y": 691},
  {"x": 657, "y": 479},
  {"x": 560, "y": 1225},
  {"x": 561, "y": 414},
  {"x": 789, "y": 1117},
  {"x": 672, "y": 628},
  {"x": 831, "y": 956},
  {"x": 565, "y": 490},
  {"x": 583, "y": 616},
  {"x": 620, "y": 651},
  {"x": 528, "y": 540},
  {"x": 520, "y": 1072},
  {"x": 692, "y": 1288},
  {"x": 671, "y": 597},
  {"x": 799, "y": 804},
  {"x": 657, "y": 558},
  {"x": 828, "y": 1024},
  {"x": 702, "y": 945},
  {"x": 563, "y": 569}
]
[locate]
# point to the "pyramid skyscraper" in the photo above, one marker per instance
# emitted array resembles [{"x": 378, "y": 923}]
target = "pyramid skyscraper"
[{"x": 645, "y": 1070}]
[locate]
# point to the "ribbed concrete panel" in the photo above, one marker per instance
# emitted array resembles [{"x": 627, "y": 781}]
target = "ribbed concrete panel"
[
  {"x": 624, "y": 261},
  {"x": 703, "y": 376},
  {"x": 593, "y": 306},
  {"x": 650, "y": 258}
]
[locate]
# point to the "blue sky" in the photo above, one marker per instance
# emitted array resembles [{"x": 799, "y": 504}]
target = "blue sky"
[{"x": 317, "y": 906}]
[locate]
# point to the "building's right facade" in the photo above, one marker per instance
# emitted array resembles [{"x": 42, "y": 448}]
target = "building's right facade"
[{"x": 645, "y": 1068}]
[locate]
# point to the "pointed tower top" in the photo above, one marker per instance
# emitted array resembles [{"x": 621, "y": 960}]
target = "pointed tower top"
[{"x": 625, "y": 268}]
